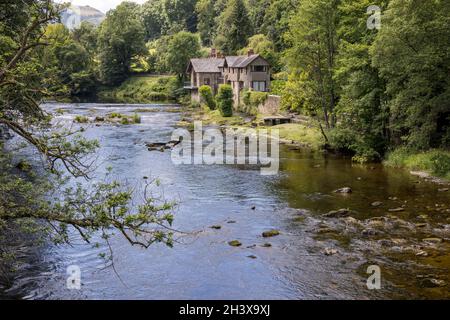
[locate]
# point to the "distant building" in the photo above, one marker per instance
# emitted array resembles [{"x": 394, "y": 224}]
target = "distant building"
[{"x": 250, "y": 71}]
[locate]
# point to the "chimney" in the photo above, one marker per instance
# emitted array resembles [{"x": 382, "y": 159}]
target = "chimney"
[
  {"x": 251, "y": 52},
  {"x": 213, "y": 53}
]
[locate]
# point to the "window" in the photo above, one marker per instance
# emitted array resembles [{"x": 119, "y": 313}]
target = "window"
[
  {"x": 207, "y": 81},
  {"x": 258, "y": 68},
  {"x": 259, "y": 86}
]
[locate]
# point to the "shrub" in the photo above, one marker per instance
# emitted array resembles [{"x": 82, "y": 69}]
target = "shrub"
[
  {"x": 206, "y": 97},
  {"x": 225, "y": 100},
  {"x": 252, "y": 100},
  {"x": 81, "y": 119},
  {"x": 436, "y": 162},
  {"x": 115, "y": 115},
  {"x": 136, "y": 118},
  {"x": 194, "y": 105}
]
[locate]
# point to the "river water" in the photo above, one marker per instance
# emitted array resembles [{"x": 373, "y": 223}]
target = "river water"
[{"x": 245, "y": 204}]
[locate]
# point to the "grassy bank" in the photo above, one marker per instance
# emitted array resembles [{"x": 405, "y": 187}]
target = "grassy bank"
[
  {"x": 305, "y": 135},
  {"x": 144, "y": 89},
  {"x": 298, "y": 134},
  {"x": 433, "y": 162}
]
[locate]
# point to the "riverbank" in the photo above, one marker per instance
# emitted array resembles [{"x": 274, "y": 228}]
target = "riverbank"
[
  {"x": 432, "y": 165},
  {"x": 143, "y": 89},
  {"x": 305, "y": 135}
]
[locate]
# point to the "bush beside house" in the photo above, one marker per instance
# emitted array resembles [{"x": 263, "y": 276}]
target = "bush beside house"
[
  {"x": 207, "y": 97},
  {"x": 225, "y": 100}
]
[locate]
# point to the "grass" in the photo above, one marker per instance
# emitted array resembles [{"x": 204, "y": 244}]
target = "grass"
[
  {"x": 435, "y": 162},
  {"x": 81, "y": 119},
  {"x": 214, "y": 117},
  {"x": 149, "y": 88},
  {"x": 301, "y": 133}
]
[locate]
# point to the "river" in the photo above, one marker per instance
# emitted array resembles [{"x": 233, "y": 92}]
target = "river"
[{"x": 245, "y": 204}]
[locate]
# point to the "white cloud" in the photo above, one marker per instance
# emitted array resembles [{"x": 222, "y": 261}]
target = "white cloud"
[{"x": 102, "y": 5}]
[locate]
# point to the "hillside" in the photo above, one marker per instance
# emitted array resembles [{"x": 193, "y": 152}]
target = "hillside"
[{"x": 87, "y": 13}]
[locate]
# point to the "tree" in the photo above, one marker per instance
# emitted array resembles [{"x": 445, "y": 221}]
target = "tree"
[
  {"x": 411, "y": 54},
  {"x": 206, "y": 21},
  {"x": 48, "y": 200},
  {"x": 167, "y": 17},
  {"x": 257, "y": 10},
  {"x": 362, "y": 104},
  {"x": 181, "y": 48},
  {"x": 67, "y": 63},
  {"x": 260, "y": 44},
  {"x": 234, "y": 27},
  {"x": 121, "y": 39},
  {"x": 154, "y": 19},
  {"x": 276, "y": 21},
  {"x": 86, "y": 35},
  {"x": 312, "y": 56}
]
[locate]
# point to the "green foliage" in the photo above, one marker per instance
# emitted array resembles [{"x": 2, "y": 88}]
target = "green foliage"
[
  {"x": 410, "y": 55},
  {"x": 276, "y": 21},
  {"x": 311, "y": 57},
  {"x": 207, "y": 97},
  {"x": 436, "y": 162},
  {"x": 137, "y": 118},
  {"x": 251, "y": 100},
  {"x": 143, "y": 89},
  {"x": 348, "y": 141},
  {"x": 260, "y": 44},
  {"x": 308, "y": 136},
  {"x": 30, "y": 58},
  {"x": 207, "y": 20},
  {"x": 165, "y": 17},
  {"x": 234, "y": 27},
  {"x": 181, "y": 48},
  {"x": 361, "y": 109},
  {"x": 81, "y": 119},
  {"x": 224, "y": 100},
  {"x": 277, "y": 87},
  {"x": 121, "y": 39}
]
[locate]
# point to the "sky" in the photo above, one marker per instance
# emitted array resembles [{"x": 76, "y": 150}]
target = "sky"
[{"x": 102, "y": 5}]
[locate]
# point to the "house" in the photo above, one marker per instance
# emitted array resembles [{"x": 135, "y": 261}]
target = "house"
[{"x": 249, "y": 71}]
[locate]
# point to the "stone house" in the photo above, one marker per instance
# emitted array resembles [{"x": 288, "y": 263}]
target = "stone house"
[{"x": 249, "y": 71}]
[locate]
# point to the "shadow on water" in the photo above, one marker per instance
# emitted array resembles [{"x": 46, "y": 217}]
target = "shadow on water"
[{"x": 294, "y": 266}]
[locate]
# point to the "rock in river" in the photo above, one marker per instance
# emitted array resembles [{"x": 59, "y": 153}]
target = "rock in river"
[
  {"x": 329, "y": 251},
  {"x": 345, "y": 190},
  {"x": 432, "y": 283},
  {"x": 377, "y": 204},
  {"x": 270, "y": 233},
  {"x": 235, "y": 243},
  {"x": 337, "y": 213},
  {"x": 397, "y": 209}
]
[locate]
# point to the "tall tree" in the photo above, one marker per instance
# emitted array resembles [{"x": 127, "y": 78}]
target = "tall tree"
[
  {"x": 276, "y": 21},
  {"x": 206, "y": 21},
  {"x": 181, "y": 48},
  {"x": 313, "y": 39},
  {"x": 411, "y": 53},
  {"x": 362, "y": 104},
  {"x": 46, "y": 202},
  {"x": 234, "y": 27},
  {"x": 121, "y": 38},
  {"x": 257, "y": 10}
]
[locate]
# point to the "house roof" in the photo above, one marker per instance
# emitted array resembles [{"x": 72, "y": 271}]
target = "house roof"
[
  {"x": 240, "y": 61},
  {"x": 206, "y": 65},
  {"x": 212, "y": 65}
]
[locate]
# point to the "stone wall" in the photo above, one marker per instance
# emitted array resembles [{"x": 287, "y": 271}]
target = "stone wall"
[{"x": 271, "y": 106}]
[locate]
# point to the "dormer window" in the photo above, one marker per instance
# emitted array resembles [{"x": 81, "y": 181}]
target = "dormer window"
[{"x": 259, "y": 68}]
